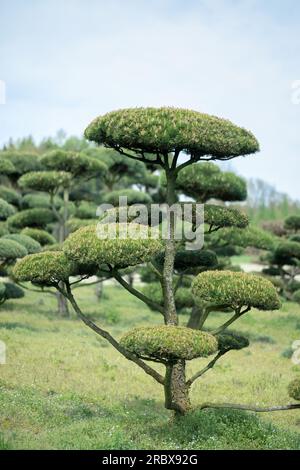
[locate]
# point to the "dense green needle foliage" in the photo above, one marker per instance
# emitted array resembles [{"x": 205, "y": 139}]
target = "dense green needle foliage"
[
  {"x": 31, "y": 218},
  {"x": 235, "y": 289},
  {"x": 169, "y": 129},
  {"x": 85, "y": 246},
  {"x": 206, "y": 180},
  {"x": 10, "y": 250},
  {"x": 169, "y": 343},
  {"x": 6, "y": 209},
  {"x": 31, "y": 245},
  {"x": 41, "y": 236},
  {"x": 48, "y": 267},
  {"x": 48, "y": 181},
  {"x": 294, "y": 389}
]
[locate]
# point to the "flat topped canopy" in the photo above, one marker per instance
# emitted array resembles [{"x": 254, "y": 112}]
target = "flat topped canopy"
[{"x": 165, "y": 130}]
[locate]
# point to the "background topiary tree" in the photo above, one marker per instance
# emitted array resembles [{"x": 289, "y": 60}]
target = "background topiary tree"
[
  {"x": 158, "y": 136},
  {"x": 62, "y": 170},
  {"x": 10, "y": 251}
]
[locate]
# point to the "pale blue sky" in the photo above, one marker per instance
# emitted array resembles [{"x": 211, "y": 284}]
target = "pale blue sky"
[{"x": 64, "y": 62}]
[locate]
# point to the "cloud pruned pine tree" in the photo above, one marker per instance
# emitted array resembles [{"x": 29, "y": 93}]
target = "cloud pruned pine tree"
[{"x": 158, "y": 137}]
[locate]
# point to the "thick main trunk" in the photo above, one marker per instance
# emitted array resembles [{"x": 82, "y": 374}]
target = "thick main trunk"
[{"x": 176, "y": 391}]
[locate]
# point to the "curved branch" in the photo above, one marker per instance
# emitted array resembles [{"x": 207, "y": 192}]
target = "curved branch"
[
  {"x": 183, "y": 165},
  {"x": 139, "y": 159},
  {"x": 87, "y": 284},
  {"x": 104, "y": 334},
  {"x": 137, "y": 293},
  {"x": 225, "y": 325},
  {"x": 210, "y": 365},
  {"x": 40, "y": 291},
  {"x": 257, "y": 409}
]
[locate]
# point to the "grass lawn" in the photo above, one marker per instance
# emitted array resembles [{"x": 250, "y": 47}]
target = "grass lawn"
[{"x": 64, "y": 388}]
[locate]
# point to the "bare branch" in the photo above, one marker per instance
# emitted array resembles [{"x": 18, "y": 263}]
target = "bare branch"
[
  {"x": 106, "y": 335},
  {"x": 210, "y": 365},
  {"x": 237, "y": 315},
  {"x": 137, "y": 293},
  {"x": 257, "y": 409},
  {"x": 40, "y": 291}
]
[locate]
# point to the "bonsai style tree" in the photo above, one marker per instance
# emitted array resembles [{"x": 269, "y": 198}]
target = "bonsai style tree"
[
  {"x": 10, "y": 250},
  {"x": 21, "y": 162},
  {"x": 63, "y": 170},
  {"x": 159, "y": 137},
  {"x": 292, "y": 223}
]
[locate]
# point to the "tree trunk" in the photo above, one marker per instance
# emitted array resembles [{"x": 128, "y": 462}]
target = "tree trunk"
[
  {"x": 99, "y": 290},
  {"x": 176, "y": 391},
  {"x": 62, "y": 305},
  {"x": 197, "y": 317}
]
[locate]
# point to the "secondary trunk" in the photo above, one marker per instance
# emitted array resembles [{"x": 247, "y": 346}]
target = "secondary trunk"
[
  {"x": 62, "y": 303},
  {"x": 197, "y": 317}
]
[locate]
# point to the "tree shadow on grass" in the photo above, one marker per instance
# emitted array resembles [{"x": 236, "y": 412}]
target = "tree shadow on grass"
[
  {"x": 209, "y": 429},
  {"x": 17, "y": 325}
]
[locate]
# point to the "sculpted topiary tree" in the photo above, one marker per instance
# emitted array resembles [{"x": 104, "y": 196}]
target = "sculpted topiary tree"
[
  {"x": 62, "y": 170},
  {"x": 10, "y": 251},
  {"x": 292, "y": 223},
  {"x": 159, "y": 137}
]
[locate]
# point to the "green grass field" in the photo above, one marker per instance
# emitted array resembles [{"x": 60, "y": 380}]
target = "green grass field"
[{"x": 64, "y": 388}]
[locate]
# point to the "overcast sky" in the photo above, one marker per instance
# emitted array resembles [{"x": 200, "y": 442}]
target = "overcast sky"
[{"x": 65, "y": 62}]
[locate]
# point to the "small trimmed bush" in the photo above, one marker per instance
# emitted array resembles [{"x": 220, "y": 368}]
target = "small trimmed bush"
[
  {"x": 247, "y": 237},
  {"x": 75, "y": 224},
  {"x": 206, "y": 180},
  {"x": 295, "y": 238},
  {"x": 48, "y": 267},
  {"x": 3, "y": 228},
  {"x": 235, "y": 289},
  {"x": 23, "y": 162},
  {"x": 195, "y": 259},
  {"x": 183, "y": 296},
  {"x": 10, "y": 195},
  {"x": 12, "y": 291},
  {"x": 85, "y": 247},
  {"x": 31, "y": 218},
  {"x": 6, "y": 210},
  {"x": 220, "y": 216},
  {"x": 133, "y": 197},
  {"x": 86, "y": 210},
  {"x": 294, "y": 389},
  {"x": 6, "y": 167},
  {"x": 41, "y": 236},
  {"x": 292, "y": 223},
  {"x": 229, "y": 341},
  {"x": 286, "y": 251},
  {"x": 78, "y": 164},
  {"x": 2, "y": 291},
  {"x": 169, "y": 343},
  {"x": 296, "y": 296},
  {"x": 36, "y": 200},
  {"x": 31, "y": 245},
  {"x": 48, "y": 181},
  {"x": 11, "y": 250}
]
